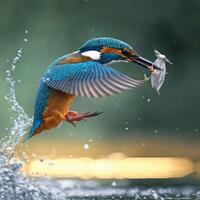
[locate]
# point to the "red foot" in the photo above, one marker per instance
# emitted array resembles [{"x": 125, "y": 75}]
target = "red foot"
[{"x": 74, "y": 117}]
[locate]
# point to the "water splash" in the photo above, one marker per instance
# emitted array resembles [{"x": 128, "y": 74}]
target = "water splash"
[
  {"x": 19, "y": 120},
  {"x": 13, "y": 184}
]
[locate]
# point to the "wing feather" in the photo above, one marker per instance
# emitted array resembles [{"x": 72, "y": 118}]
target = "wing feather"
[{"x": 89, "y": 79}]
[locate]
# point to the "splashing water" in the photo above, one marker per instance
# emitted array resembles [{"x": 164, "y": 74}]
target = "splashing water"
[
  {"x": 14, "y": 185},
  {"x": 19, "y": 120}
]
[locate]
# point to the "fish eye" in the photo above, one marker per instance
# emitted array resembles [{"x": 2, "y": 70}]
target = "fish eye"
[{"x": 125, "y": 52}]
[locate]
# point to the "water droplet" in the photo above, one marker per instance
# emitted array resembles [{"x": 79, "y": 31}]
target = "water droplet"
[
  {"x": 26, "y": 31},
  {"x": 196, "y": 130},
  {"x": 19, "y": 51},
  {"x": 155, "y": 131},
  {"x": 126, "y": 128},
  {"x": 86, "y": 146},
  {"x": 90, "y": 140},
  {"x": 25, "y": 39},
  {"x": 114, "y": 183},
  {"x": 34, "y": 155},
  {"x": 148, "y": 100}
]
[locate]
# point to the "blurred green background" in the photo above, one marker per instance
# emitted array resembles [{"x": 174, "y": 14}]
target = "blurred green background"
[{"x": 140, "y": 116}]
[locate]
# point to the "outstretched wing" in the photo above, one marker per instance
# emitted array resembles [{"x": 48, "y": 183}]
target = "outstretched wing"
[{"x": 88, "y": 79}]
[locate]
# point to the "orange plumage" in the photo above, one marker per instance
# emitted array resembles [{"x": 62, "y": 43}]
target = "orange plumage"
[{"x": 56, "y": 110}]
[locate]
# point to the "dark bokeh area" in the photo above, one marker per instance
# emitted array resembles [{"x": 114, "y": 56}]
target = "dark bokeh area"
[{"x": 59, "y": 27}]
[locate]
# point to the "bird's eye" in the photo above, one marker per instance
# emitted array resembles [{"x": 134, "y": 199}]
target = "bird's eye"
[{"x": 125, "y": 52}]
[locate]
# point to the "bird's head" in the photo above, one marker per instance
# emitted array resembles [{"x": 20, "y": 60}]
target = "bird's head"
[{"x": 108, "y": 50}]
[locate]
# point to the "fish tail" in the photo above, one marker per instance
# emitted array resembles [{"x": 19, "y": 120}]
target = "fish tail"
[{"x": 158, "y": 92}]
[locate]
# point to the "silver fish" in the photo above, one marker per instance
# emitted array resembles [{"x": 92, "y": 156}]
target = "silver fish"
[{"x": 158, "y": 76}]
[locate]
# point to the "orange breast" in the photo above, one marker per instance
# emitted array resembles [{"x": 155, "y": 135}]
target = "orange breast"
[{"x": 59, "y": 102}]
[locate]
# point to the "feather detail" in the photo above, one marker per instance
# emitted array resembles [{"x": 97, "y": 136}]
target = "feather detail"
[{"x": 89, "y": 79}]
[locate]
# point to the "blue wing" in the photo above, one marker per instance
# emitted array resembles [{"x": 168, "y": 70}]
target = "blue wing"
[
  {"x": 41, "y": 101},
  {"x": 89, "y": 79}
]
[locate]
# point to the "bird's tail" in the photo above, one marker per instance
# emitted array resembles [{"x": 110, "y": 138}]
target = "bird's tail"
[{"x": 35, "y": 126}]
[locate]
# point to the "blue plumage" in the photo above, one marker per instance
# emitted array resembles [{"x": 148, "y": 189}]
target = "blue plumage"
[
  {"x": 81, "y": 75},
  {"x": 41, "y": 101},
  {"x": 98, "y": 43},
  {"x": 89, "y": 79},
  {"x": 108, "y": 58}
]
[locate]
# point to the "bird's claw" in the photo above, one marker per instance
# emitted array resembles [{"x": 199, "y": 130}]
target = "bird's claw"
[{"x": 82, "y": 117}]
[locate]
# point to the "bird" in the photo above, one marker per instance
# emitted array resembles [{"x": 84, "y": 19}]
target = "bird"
[{"x": 86, "y": 73}]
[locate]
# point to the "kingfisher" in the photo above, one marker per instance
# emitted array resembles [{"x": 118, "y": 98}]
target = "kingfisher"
[{"x": 84, "y": 73}]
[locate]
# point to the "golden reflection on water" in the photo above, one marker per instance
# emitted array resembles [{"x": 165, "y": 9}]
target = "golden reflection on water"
[{"x": 115, "y": 166}]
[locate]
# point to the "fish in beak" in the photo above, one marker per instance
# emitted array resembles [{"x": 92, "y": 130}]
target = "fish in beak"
[{"x": 158, "y": 76}]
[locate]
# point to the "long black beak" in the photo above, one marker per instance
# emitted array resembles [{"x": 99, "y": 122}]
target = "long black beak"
[{"x": 143, "y": 62}]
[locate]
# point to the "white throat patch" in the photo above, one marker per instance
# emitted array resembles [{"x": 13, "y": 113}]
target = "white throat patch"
[{"x": 94, "y": 55}]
